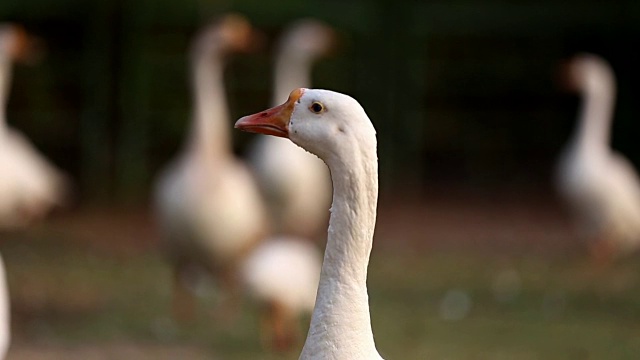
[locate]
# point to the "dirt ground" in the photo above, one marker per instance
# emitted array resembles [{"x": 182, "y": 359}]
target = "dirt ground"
[
  {"x": 499, "y": 222},
  {"x": 457, "y": 219},
  {"x": 111, "y": 351}
]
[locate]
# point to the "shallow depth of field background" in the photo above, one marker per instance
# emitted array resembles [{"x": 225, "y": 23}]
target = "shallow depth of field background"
[{"x": 473, "y": 256}]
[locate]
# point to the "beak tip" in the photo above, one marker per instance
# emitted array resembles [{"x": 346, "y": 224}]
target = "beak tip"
[{"x": 239, "y": 123}]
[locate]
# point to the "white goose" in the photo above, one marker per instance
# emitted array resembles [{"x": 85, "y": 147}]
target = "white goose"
[
  {"x": 295, "y": 183},
  {"x": 29, "y": 186},
  {"x": 600, "y": 186},
  {"x": 281, "y": 275},
  {"x": 208, "y": 204},
  {"x": 335, "y": 128}
]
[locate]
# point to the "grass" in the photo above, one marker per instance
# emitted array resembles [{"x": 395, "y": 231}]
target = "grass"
[
  {"x": 443, "y": 305},
  {"x": 559, "y": 310}
]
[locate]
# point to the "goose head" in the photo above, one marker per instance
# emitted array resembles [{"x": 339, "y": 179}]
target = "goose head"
[
  {"x": 232, "y": 33},
  {"x": 326, "y": 123},
  {"x": 16, "y": 44},
  {"x": 587, "y": 73},
  {"x": 309, "y": 38}
]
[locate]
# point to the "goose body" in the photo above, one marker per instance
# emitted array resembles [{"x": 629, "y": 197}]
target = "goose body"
[
  {"x": 207, "y": 202},
  {"x": 600, "y": 186},
  {"x": 209, "y": 225},
  {"x": 336, "y": 128},
  {"x": 296, "y": 184},
  {"x": 29, "y": 186}
]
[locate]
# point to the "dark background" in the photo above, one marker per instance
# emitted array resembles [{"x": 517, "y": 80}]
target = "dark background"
[
  {"x": 465, "y": 97},
  {"x": 461, "y": 92}
]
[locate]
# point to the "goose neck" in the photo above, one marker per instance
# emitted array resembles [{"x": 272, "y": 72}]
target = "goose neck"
[
  {"x": 596, "y": 114},
  {"x": 209, "y": 133},
  {"x": 341, "y": 322}
]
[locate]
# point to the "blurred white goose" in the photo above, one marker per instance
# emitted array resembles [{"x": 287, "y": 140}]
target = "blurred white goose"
[
  {"x": 335, "y": 128},
  {"x": 295, "y": 183},
  {"x": 207, "y": 202},
  {"x": 281, "y": 275},
  {"x": 29, "y": 185},
  {"x": 600, "y": 186}
]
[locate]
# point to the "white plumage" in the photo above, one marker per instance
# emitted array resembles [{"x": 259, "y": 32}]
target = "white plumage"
[
  {"x": 29, "y": 185},
  {"x": 207, "y": 202},
  {"x": 600, "y": 186},
  {"x": 281, "y": 276},
  {"x": 285, "y": 270},
  {"x": 336, "y": 128},
  {"x": 296, "y": 184}
]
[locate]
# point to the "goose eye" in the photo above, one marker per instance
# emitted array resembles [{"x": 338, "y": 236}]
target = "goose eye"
[{"x": 316, "y": 107}]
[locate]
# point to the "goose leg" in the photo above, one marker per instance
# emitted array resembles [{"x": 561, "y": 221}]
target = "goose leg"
[
  {"x": 278, "y": 328},
  {"x": 602, "y": 252},
  {"x": 183, "y": 304},
  {"x": 228, "y": 308}
]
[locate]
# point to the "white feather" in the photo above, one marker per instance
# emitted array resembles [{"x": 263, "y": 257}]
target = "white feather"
[{"x": 29, "y": 185}]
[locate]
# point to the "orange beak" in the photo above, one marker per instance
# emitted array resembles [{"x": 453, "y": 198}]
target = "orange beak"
[
  {"x": 274, "y": 121},
  {"x": 566, "y": 80},
  {"x": 26, "y": 48},
  {"x": 20, "y": 48}
]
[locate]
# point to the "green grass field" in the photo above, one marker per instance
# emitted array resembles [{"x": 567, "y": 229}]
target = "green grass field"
[{"x": 425, "y": 304}]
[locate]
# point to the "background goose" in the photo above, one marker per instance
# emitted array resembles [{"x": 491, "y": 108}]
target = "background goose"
[
  {"x": 335, "y": 128},
  {"x": 295, "y": 183},
  {"x": 29, "y": 186},
  {"x": 281, "y": 276},
  {"x": 600, "y": 186},
  {"x": 207, "y": 202}
]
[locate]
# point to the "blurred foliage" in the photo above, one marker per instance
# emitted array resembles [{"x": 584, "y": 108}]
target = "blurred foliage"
[{"x": 459, "y": 90}]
